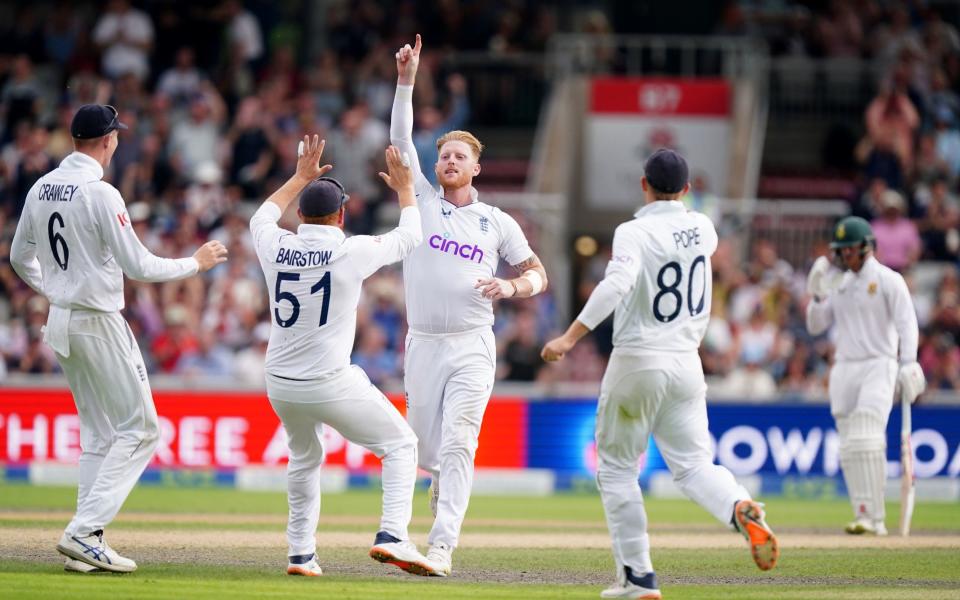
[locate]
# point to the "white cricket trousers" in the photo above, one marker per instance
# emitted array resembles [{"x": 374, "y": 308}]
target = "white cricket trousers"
[
  {"x": 663, "y": 394},
  {"x": 119, "y": 430},
  {"x": 348, "y": 402},
  {"x": 861, "y": 396},
  {"x": 448, "y": 379}
]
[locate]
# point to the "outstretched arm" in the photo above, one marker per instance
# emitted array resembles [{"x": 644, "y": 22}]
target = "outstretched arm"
[
  {"x": 617, "y": 282},
  {"x": 134, "y": 259},
  {"x": 371, "y": 253},
  {"x": 401, "y": 118}
]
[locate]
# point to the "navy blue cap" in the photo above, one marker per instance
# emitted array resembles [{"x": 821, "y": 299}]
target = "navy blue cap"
[
  {"x": 322, "y": 196},
  {"x": 666, "y": 171},
  {"x": 95, "y": 120}
]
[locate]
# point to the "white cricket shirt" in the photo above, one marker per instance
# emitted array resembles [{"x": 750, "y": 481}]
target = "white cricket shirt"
[
  {"x": 74, "y": 240},
  {"x": 658, "y": 280},
  {"x": 872, "y": 313},
  {"x": 460, "y": 246},
  {"x": 313, "y": 279}
]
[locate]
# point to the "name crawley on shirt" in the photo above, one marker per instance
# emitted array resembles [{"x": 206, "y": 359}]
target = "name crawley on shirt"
[
  {"x": 300, "y": 258},
  {"x": 57, "y": 192}
]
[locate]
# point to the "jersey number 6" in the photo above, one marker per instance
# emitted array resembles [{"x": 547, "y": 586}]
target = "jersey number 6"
[
  {"x": 57, "y": 241},
  {"x": 323, "y": 284},
  {"x": 671, "y": 289}
]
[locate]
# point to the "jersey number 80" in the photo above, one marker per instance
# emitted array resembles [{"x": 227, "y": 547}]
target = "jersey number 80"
[{"x": 671, "y": 289}]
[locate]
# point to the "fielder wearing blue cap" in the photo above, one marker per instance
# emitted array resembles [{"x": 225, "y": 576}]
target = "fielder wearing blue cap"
[
  {"x": 658, "y": 286},
  {"x": 666, "y": 172},
  {"x": 320, "y": 200}
]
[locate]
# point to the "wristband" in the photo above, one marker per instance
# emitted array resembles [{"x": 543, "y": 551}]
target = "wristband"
[{"x": 536, "y": 281}]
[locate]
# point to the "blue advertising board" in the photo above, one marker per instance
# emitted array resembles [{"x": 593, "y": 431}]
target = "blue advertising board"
[{"x": 770, "y": 441}]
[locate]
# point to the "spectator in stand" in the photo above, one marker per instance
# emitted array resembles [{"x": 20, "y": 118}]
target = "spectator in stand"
[
  {"x": 251, "y": 156},
  {"x": 125, "y": 36},
  {"x": 891, "y": 121},
  {"x": 327, "y": 86},
  {"x": 898, "y": 242},
  {"x": 432, "y": 123},
  {"x": 373, "y": 356},
  {"x": 948, "y": 140},
  {"x": 869, "y": 204},
  {"x": 19, "y": 97},
  {"x": 62, "y": 34},
  {"x": 243, "y": 32},
  {"x": 839, "y": 33},
  {"x": 357, "y": 151},
  {"x": 520, "y": 351},
  {"x": 941, "y": 98},
  {"x": 209, "y": 358},
  {"x": 33, "y": 165},
  {"x": 940, "y": 359},
  {"x": 175, "y": 341},
  {"x": 702, "y": 200},
  {"x": 194, "y": 141},
  {"x": 248, "y": 367},
  {"x": 938, "y": 226},
  {"x": 181, "y": 82}
]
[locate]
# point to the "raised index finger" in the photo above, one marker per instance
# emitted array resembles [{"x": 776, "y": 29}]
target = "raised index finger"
[{"x": 417, "y": 46}]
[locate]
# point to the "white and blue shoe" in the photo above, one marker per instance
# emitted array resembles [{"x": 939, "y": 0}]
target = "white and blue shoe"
[
  {"x": 402, "y": 553},
  {"x": 631, "y": 586},
  {"x": 93, "y": 550},
  {"x": 305, "y": 565},
  {"x": 71, "y": 565}
]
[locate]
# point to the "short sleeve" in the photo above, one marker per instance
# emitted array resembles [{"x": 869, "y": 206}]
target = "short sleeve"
[{"x": 514, "y": 247}]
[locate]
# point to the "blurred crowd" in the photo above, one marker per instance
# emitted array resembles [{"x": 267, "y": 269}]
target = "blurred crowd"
[
  {"x": 757, "y": 345},
  {"x": 216, "y": 96}
]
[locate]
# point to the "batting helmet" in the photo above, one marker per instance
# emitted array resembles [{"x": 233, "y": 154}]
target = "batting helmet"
[{"x": 852, "y": 231}]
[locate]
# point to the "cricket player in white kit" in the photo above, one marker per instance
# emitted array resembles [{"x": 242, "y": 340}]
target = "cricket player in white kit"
[
  {"x": 315, "y": 277},
  {"x": 74, "y": 242},
  {"x": 876, "y": 350},
  {"x": 450, "y": 286},
  {"x": 658, "y": 284}
]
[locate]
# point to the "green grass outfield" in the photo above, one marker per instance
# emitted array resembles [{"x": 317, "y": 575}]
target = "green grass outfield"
[{"x": 540, "y": 555}]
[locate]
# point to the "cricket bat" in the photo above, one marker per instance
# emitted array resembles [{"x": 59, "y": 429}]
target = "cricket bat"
[{"x": 907, "y": 480}]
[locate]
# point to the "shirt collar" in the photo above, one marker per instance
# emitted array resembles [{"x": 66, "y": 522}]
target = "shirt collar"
[
  {"x": 82, "y": 162},
  {"x": 869, "y": 265},
  {"x": 308, "y": 230},
  {"x": 661, "y": 207},
  {"x": 474, "y": 198}
]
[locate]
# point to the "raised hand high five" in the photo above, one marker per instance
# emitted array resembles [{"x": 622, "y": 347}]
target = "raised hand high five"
[{"x": 308, "y": 161}]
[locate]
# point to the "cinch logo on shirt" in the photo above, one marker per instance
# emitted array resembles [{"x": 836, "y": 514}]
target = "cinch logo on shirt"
[{"x": 470, "y": 252}]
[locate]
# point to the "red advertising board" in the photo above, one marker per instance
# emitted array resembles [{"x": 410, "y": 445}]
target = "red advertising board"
[
  {"x": 211, "y": 429},
  {"x": 660, "y": 96}
]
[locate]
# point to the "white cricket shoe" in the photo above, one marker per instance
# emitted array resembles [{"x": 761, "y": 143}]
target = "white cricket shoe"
[
  {"x": 630, "y": 586},
  {"x": 439, "y": 560},
  {"x": 402, "y": 553},
  {"x": 75, "y": 566},
  {"x": 863, "y": 525},
  {"x": 305, "y": 565},
  {"x": 434, "y": 494},
  {"x": 93, "y": 550}
]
